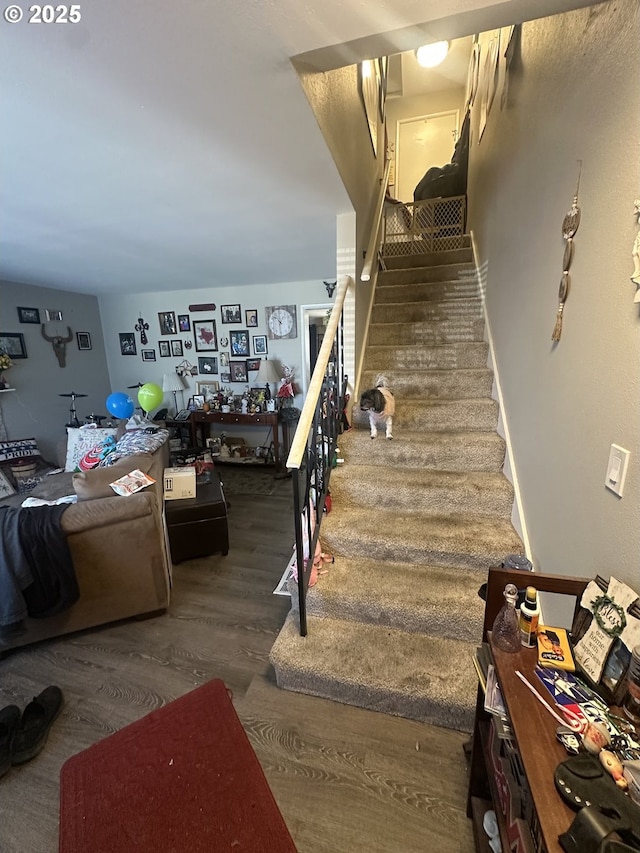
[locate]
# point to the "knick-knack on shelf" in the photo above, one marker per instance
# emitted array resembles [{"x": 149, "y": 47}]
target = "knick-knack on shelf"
[{"x": 505, "y": 631}]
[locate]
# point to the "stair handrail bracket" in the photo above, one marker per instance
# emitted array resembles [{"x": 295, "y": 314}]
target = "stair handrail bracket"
[{"x": 313, "y": 448}]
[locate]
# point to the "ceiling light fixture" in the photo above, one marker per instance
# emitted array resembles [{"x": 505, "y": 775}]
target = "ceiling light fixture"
[{"x": 430, "y": 55}]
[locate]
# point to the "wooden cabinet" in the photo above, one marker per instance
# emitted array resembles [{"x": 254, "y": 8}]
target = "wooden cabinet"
[
  {"x": 203, "y": 420},
  {"x": 533, "y": 727}
]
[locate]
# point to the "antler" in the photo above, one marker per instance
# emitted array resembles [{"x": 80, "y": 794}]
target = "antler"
[{"x": 58, "y": 338}]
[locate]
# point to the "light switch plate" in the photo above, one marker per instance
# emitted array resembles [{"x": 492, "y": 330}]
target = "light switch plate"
[{"x": 617, "y": 469}]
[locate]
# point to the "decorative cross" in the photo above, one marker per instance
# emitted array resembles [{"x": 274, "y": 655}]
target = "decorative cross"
[{"x": 142, "y": 327}]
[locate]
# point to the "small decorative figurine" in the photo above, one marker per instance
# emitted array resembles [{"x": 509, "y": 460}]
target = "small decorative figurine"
[{"x": 613, "y": 766}]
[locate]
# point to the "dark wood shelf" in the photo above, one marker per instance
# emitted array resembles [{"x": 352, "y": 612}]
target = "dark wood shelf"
[{"x": 479, "y": 807}]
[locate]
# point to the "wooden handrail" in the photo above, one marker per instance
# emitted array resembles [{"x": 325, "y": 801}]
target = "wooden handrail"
[
  {"x": 374, "y": 239},
  {"x": 299, "y": 443}
]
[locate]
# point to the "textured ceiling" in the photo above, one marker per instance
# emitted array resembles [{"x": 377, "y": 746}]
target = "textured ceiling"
[{"x": 161, "y": 145}]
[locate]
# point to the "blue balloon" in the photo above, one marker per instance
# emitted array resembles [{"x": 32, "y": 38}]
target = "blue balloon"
[{"x": 120, "y": 405}]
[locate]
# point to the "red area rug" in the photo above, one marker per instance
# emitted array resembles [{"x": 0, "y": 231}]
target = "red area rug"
[{"x": 183, "y": 778}]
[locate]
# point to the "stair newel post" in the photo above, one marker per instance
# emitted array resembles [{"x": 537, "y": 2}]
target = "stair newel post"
[{"x": 299, "y": 515}]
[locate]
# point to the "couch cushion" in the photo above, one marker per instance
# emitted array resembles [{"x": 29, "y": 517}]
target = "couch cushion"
[
  {"x": 85, "y": 446},
  {"x": 54, "y": 486},
  {"x": 89, "y": 485}
]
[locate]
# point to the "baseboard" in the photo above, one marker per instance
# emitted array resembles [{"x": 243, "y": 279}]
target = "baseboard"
[{"x": 510, "y": 469}]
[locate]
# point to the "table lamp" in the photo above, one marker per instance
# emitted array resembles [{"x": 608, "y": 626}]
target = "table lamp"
[
  {"x": 172, "y": 382},
  {"x": 268, "y": 372}
]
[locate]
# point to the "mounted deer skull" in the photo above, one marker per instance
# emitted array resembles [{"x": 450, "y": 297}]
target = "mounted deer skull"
[{"x": 59, "y": 344}]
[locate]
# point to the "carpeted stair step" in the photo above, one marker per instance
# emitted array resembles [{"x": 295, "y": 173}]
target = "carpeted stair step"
[
  {"x": 434, "y": 312},
  {"x": 425, "y": 333},
  {"x": 431, "y": 259},
  {"x": 444, "y": 451},
  {"x": 427, "y": 292},
  {"x": 396, "y": 672},
  {"x": 474, "y": 542},
  {"x": 415, "y": 275},
  {"x": 435, "y": 383},
  {"x": 366, "y": 591},
  {"x": 414, "y": 414},
  {"x": 439, "y": 357},
  {"x": 412, "y": 490}
]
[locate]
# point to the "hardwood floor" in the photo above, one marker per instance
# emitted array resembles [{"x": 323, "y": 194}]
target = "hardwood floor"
[{"x": 345, "y": 779}]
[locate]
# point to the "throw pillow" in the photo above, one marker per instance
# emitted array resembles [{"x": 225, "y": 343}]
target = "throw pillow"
[{"x": 82, "y": 440}]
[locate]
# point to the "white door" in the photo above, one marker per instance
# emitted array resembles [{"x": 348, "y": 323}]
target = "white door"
[{"x": 420, "y": 144}]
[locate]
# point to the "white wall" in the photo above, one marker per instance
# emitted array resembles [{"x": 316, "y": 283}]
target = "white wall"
[{"x": 572, "y": 96}]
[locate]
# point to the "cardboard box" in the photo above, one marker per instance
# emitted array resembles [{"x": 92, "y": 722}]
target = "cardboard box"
[{"x": 179, "y": 483}]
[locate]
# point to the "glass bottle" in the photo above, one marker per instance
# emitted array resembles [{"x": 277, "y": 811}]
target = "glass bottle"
[
  {"x": 631, "y": 705},
  {"x": 505, "y": 631}
]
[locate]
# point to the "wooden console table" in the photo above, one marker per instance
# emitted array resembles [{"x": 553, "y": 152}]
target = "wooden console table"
[
  {"x": 202, "y": 421},
  {"x": 533, "y": 728}
]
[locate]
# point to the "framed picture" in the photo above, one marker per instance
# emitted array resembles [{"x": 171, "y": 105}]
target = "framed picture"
[
  {"x": 207, "y": 364},
  {"x": 184, "y": 324},
  {"x": 51, "y": 314},
  {"x": 369, "y": 87},
  {"x": 224, "y": 359},
  {"x": 127, "y": 343},
  {"x": 238, "y": 371},
  {"x": 205, "y": 334},
  {"x": 251, "y": 318},
  {"x": 28, "y": 315},
  {"x": 231, "y": 314},
  {"x": 259, "y": 344},
  {"x": 198, "y": 401},
  {"x": 253, "y": 363},
  {"x": 225, "y": 377},
  {"x": 239, "y": 342},
  {"x": 167, "y": 320},
  {"x": 164, "y": 349},
  {"x": 148, "y": 354},
  {"x": 84, "y": 340},
  {"x": 207, "y": 389},
  {"x": 176, "y": 348}
]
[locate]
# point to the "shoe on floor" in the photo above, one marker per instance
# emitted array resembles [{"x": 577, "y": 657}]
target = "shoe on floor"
[
  {"x": 33, "y": 729},
  {"x": 9, "y": 719}
]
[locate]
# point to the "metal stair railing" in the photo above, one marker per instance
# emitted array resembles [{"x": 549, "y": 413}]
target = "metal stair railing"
[{"x": 313, "y": 449}]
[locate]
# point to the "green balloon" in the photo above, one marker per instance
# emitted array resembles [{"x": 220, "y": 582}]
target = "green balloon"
[{"x": 150, "y": 396}]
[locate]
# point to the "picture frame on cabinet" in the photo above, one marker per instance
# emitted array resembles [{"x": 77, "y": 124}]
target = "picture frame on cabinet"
[
  {"x": 207, "y": 389},
  {"x": 164, "y": 348},
  {"x": 83, "y": 340}
]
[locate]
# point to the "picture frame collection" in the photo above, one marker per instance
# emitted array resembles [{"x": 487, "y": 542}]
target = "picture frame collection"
[{"x": 229, "y": 356}]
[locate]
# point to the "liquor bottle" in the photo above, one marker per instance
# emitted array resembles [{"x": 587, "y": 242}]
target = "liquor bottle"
[
  {"x": 505, "y": 631},
  {"x": 529, "y": 616}
]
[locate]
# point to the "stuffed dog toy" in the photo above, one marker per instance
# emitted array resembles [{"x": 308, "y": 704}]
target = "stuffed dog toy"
[{"x": 380, "y": 405}]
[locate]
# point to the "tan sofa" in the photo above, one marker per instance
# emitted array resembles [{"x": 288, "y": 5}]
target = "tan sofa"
[{"x": 118, "y": 545}]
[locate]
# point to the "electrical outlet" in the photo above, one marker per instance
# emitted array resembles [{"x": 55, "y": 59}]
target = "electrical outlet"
[{"x": 617, "y": 469}]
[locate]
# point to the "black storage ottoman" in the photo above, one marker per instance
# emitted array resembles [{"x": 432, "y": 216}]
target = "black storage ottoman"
[{"x": 198, "y": 526}]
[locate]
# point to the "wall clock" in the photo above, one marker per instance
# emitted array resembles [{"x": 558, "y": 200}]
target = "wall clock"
[{"x": 281, "y": 321}]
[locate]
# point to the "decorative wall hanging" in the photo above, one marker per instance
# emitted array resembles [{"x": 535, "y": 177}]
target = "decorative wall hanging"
[
  {"x": 635, "y": 253},
  {"x": 204, "y": 331},
  {"x": 12, "y": 343},
  {"x": 184, "y": 324},
  {"x": 59, "y": 344},
  {"x": 143, "y": 328},
  {"x": 570, "y": 225},
  {"x": 204, "y": 306},
  {"x": 331, "y": 286},
  {"x": 127, "y": 343},
  {"x": 185, "y": 368},
  {"x": 84, "y": 340},
  {"x": 369, "y": 88},
  {"x": 230, "y": 314},
  {"x": 164, "y": 349},
  {"x": 188, "y": 344},
  {"x": 167, "y": 320},
  {"x": 28, "y": 315}
]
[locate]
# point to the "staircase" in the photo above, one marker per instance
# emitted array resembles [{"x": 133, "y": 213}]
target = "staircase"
[{"x": 417, "y": 520}]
